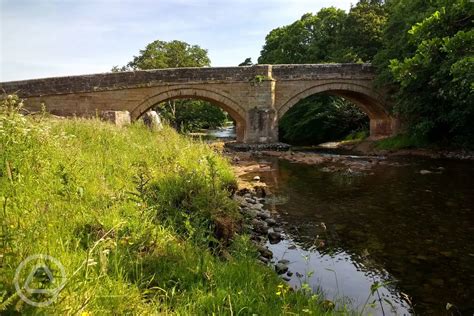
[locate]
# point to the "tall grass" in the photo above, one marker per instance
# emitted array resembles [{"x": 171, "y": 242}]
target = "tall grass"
[{"x": 142, "y": 222}]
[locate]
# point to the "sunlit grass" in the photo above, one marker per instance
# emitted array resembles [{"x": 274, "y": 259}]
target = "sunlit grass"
[
  {"x": 133, "y": 216},
  {"x": 400, "y": 141}
]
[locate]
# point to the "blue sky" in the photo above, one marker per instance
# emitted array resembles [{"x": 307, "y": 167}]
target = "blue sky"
[{"x": 44, "y": 38}]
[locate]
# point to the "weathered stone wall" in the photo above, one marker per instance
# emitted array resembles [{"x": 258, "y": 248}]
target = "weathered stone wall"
[
  {"x": 322, "y": 71},
  {"x": 132, "y": 79},
  {"x": 256, "y": 97}
]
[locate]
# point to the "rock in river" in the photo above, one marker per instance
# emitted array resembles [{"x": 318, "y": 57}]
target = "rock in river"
[
  {"x": 270, "y": 221},
  {"x": 274, "y": 237},
  {"x": 259, "y": 226},
  {"x": 281, "y": 268},
  {"x": 265, "y": 252}
]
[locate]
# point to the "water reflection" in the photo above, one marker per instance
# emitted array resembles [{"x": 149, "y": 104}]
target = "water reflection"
[
  {"x": 226, "y": 132},
  {"x": 392, "y": 225}
]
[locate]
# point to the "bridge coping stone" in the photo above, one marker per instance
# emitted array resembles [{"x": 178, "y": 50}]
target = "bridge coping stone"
[{"x": 149, "y": 78}]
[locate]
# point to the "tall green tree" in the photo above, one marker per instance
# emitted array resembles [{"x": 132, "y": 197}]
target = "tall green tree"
[
  {"x": 396, "y": 44},
  {"x": 431, "y": 66},
  {"x": 311, "y": 39},
  {"x": 363, "y": 31},
  {"x": 183, "y": 114}
]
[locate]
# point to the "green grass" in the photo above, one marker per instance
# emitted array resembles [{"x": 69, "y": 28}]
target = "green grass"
[
  {"x": 141, "y": 221},
  {"x": 359, "y": 135},
  {"x": 400, "y": 141}
]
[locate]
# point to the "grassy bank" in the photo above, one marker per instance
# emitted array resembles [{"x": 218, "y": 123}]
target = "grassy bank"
[
  {"x": 401, "y": 141},
  {"x": 141, "y": 221}
]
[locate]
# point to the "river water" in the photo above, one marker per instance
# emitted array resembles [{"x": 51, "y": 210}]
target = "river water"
[
  {"x": 411, "y": 233},
  {"x": 222, "y": 133}
]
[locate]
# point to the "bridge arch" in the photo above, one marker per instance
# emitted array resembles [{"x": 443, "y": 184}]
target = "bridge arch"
[
  {"x": 368, "y": 100},
  {"x": 217, "y": 98}
]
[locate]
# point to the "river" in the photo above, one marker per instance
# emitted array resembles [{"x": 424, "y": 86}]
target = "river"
[{"x": 410, "y": 232}]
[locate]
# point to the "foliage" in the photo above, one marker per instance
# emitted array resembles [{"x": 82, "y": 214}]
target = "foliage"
[
  {"x": 400, "y": 141},
  {"x": 129, "y": 213},
  {"x": 362, "y": 33},
  {"x": 182, "y": 114},
  {"x": 433, "y": 71},
  {"x": 173, "y": 54},
  {"x": 246, "y": 62},
  {"x": 423, "y": 50},
  {"x": 321, "y": 118},
  {"x": 331, "y": 35},
  {"x": 357, "y": 135},
  {"x": 311, "y": 39},
  {"x": 395, "y": 39}
]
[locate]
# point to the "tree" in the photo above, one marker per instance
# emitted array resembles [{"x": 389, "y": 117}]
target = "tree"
[
  {"x": 435, "y": 75},
  {"x": 330, "y": 35},
  {"x": 177, "y": 54},
  {"x": 363, "y": 31},
  {"x": 311, "y": 39},
  {"x": 246, "y": 62},
  {"x": 402, "y": 15},
  {"x": 174, "y": 54}
]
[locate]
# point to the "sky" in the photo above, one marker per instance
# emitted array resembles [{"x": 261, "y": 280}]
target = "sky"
[{"x": 47, "y": 38}]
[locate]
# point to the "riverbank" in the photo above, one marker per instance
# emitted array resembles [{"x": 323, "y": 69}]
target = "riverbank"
[
  {"x": 140, "y": 222},
  {"x": 386, "y": 222}
]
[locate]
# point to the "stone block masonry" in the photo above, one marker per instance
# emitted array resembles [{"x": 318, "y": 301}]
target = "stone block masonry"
[{"x": 256, "y": 96}]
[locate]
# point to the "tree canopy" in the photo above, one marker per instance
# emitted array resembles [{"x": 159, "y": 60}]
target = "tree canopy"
[
  {"x": 173, "y": 54},
  {"x": 330, "y": 35},
  {"x": 428, "y": 59}
]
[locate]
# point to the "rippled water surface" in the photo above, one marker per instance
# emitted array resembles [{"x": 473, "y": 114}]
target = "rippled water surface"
[{"x": 411, "y": 232}]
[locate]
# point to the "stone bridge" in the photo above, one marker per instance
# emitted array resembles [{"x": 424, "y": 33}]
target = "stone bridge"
[{"x": 256, "y": 96}]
